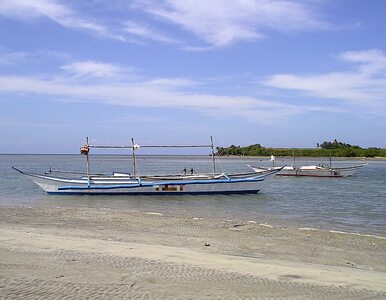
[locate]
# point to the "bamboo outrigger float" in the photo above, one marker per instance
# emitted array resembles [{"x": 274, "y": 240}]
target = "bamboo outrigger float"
[{"x": 134, "y": 184}]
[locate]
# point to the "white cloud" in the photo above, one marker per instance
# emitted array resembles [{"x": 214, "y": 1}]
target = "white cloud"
[
  {"x": 372, "y": 61},
  {"x": 146, "y": 32},
  {"x": 361, "y": 90},
  {"x": 157, "y": 93},
  {"x": 217, "y": 22},
  {"x": 95, "y": 69},
  {"x": 54, "y": 11},
  {"x": 364, "y": 87},
  {"x": 13, "y": 58},
  {"x": 221, "y": 23}
]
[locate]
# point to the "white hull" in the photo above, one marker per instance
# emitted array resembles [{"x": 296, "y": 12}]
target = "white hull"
[
  {"x": 313, "y": 171},
  {"x": 220, "y": 184},
  {"x": 320, "y": 172}
]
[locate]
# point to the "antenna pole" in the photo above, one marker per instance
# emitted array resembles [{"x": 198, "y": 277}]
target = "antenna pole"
[
  {"x": 214, "y": 161},
  {"x": 133, "y": 148}
]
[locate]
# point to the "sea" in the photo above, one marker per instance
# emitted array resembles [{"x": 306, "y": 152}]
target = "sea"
[{"x": 355, "y": 204}]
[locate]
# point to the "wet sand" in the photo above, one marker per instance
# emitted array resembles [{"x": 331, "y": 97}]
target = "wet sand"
[{"x": 93, "y": 253}]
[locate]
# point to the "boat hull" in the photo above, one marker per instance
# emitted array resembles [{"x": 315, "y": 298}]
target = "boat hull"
[
  {"x": 112, "y": 186},
  {"x": 321, "y": 172}
]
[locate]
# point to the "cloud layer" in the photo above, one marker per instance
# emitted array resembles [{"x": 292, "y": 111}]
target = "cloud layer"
[
  {"x": 55, "y": 11},
  {"x": 215, "y": 23},
  {"x": 359, "y": 83},
  {"x": 160, "y": 93},
  {"x": 220, "y": 23},
  {"x": 364, "y": 85}
]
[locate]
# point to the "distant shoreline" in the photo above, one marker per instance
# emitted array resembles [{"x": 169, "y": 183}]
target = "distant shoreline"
[
  {"x": 302, "y": 157},
  {"x": 202, "y": 155}
]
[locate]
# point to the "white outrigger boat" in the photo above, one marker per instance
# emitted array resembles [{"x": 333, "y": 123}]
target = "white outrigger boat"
[
  {"x": 312, "y": 171},
  {"x": 133, "y": 184}
]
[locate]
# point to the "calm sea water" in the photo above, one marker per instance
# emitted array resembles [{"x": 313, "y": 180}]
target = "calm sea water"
[{"x": 354, "y": 204}]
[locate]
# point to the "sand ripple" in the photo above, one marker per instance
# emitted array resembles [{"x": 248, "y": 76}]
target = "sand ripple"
[{"x": 61, "y": 253}]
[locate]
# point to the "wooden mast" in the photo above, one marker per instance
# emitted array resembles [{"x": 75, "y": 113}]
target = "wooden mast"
[
  {"x": 133, "y": 148},
  {"x": 88, "y": 164},
  {"x": 293, "y": 156},
  {"x": 214, "y": 161},
  {"x": 330, "y": 161},
  {"x": 294, "y": 165}
]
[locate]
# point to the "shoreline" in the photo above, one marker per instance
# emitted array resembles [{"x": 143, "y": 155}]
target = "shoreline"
[
  {"x": 271, "y": 221},
  {"x": 377, "y": 158},
  {"x": 148, "y": 254},
  {"x": 338, "y": 158},
  {"x": 267, "y": 221}
]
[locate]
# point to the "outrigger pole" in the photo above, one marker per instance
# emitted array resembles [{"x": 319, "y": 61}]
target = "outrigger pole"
[{"x": 151, "y": 146}]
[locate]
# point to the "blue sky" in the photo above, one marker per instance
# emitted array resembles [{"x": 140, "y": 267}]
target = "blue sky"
[{"x": 280, "y": 73}]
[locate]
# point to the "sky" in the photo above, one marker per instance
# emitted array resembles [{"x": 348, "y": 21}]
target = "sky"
[{"x": 281, "y": 73}]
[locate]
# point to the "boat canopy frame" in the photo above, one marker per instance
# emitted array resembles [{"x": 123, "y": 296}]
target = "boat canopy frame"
[{"x": 134, "y": 147}]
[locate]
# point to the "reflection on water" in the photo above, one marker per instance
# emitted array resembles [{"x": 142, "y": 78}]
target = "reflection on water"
[{"x": 355, "y": 203}]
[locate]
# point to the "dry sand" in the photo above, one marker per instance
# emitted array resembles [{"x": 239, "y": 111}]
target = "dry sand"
[{"x": 84, "y": 253}]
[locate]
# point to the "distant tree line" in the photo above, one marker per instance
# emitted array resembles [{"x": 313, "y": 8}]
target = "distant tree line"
[{"x": 325, "y": 149}]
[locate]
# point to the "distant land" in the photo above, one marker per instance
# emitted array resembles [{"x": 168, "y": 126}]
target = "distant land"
[{"x": 325, "y": 149}]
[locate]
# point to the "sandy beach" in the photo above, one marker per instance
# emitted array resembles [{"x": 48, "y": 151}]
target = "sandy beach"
[{"x": 101, "y": 253}]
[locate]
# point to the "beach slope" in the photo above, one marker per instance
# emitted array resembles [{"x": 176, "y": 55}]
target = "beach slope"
[{"x": 122, "y": 254}]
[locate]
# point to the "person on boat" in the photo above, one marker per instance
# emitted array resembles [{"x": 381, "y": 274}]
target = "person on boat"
[
  {"x": 191, "y": 171},
  {"x": 184, "y": 171}
]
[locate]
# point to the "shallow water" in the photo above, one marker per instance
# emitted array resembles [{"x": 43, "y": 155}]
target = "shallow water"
[{"x": 354, "y": 204}]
